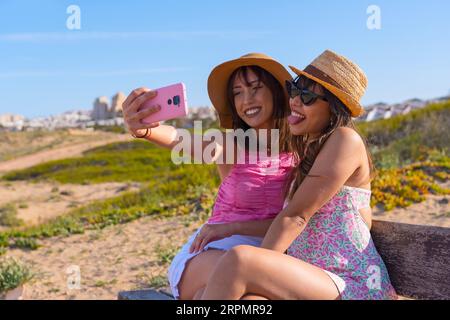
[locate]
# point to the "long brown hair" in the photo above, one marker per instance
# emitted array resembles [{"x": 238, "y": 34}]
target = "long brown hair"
[
  {"x": 280, "y": 103},
  {"x": 306, "y": 151}
]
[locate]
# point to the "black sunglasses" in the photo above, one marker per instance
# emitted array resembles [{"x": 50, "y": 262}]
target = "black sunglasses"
[{"x": 306, "y": 96}]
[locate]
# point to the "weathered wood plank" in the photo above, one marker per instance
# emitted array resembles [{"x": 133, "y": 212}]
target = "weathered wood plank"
[
  {"x": 417, "y": 258},
  {"x": 146, "y": 294}
]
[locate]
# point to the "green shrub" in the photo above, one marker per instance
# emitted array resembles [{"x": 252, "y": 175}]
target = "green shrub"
[
  {"x": 8, "y": 216},
  {"x": 4, "y": 240},
  {"x": 13, "y": 274},
  {"x": 400, "y": 187},
  {"x": 431, "y": 122},
  {"x": 115, "y": 129},
  {"x": 158, "y": 282},
  {"x": 405, "y": 139},
  {"x": 26, "y": 243},
  {"x": 166, "y": 254},
  {"x": 23, "y": 206}
]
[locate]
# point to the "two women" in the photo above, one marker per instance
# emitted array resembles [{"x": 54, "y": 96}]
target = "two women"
[
  {"x": 330, "y": 253},
  {"x": 324, "y": 226}
]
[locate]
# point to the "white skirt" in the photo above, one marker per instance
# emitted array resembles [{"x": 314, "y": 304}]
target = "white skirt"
[{"x": 179, "y": 262}]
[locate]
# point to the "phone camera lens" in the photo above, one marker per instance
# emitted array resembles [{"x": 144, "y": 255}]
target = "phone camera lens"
[
  {"x": 176, "y": 100},
  {"x": 169, "y": 101}
]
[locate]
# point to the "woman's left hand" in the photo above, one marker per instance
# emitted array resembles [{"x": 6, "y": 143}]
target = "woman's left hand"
[{"x": 209, "y": 233}]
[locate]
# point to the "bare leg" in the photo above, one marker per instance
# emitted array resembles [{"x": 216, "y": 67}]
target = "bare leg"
[
  {"x": 253, "y": 297},
  {"x": 246, "y": 269},
  {"x": 197, "y": 272},
  {"x": 198, "y": 294}
]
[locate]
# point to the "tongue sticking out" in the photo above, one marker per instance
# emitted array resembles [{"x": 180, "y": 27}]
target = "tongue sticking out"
[{"x": 294, "y": 119}]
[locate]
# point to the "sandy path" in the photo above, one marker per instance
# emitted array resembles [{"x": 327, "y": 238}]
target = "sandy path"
[
  {"x": 434, "y": 211},
  {"x": 123, "y": 257},
  {"x": 38, "y": 202},
  {"x": 59, "y": 153}
]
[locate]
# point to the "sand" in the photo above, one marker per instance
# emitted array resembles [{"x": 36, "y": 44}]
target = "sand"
[
  {"x": 116, "y": 258},
  {"x": 39, "y": 202}
]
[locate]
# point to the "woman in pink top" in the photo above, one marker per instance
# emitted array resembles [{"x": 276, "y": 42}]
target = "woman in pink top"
[
  {"x": 323, "y": 230},
  {"x": 248, "y": 94}
]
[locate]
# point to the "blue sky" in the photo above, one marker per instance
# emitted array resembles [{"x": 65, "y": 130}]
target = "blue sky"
[{"x": 47, "y": 69}]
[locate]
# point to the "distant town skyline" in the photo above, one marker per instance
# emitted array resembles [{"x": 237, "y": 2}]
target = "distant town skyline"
[
  {"x": 104, "y": 113},
  {"x": 48, "y": 68}
]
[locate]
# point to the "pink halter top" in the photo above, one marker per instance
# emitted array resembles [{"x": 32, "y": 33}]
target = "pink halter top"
[{"x": 254, "y": 190}]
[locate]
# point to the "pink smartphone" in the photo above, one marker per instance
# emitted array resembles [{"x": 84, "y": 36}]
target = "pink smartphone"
[{"x": 173, "y": 102}]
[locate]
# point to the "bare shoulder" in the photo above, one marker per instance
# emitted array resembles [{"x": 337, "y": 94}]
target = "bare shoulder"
[
  {"x": 341, "y": 155},
  {"x": 347, "y": 134},
  {"x": 347, "y": 138}
]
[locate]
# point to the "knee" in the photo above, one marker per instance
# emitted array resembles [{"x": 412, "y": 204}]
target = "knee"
[
  {"x": 232, "y": 267},
  {"x": 238, "y": 257}
]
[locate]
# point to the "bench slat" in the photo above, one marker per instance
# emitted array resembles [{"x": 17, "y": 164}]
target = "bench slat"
[
  {"x": 417, "y": 258},
  {"x": 146, "y": 294}
]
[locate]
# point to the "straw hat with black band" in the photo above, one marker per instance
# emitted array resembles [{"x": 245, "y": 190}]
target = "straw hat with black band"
[
  {"x": 340, "y": 76},
  {"x": 219, "y": 77}
]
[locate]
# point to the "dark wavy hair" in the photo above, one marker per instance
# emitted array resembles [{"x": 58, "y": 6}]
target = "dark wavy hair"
[
  {"x": 306, "y": 151},
  {"x": 280, "y": 103}
]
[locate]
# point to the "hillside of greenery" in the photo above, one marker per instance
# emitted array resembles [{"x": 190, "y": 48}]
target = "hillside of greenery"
[
  {"x": 410, "y": 153},
  {"x": 417, "y": 136}
]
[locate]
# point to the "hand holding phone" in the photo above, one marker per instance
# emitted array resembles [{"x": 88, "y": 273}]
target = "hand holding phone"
[{"x": 173, "y": 102}]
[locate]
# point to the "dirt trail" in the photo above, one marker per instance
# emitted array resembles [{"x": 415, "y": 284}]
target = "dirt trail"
[
  {"x": 38, "y": 202},
  {"x": 58, "y": 153}
]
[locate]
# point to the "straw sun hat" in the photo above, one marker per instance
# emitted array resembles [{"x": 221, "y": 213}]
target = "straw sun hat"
[
  {"x": 219, "y": 77},
  {"x": 340, "y": 76}
]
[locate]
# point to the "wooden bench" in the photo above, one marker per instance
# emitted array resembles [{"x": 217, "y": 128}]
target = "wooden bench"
[{"x": 417, "y": 258}]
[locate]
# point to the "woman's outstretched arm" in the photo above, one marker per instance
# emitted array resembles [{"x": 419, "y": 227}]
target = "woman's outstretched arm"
[{"x": 165, "y": 136}]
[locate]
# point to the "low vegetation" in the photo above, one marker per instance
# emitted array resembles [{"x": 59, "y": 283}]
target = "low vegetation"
[
  {"x": 8, "y": 216},
  {"x": 193, "y": 202},
  {"x": 12, "y": 274},
  {"x": 410, "y": 153}
]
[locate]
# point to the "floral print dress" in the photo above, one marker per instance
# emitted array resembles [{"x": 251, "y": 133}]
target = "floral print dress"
[{"x": 338, "y": 240}]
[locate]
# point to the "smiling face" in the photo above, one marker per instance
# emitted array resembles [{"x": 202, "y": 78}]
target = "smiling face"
[
  {"x": 311, "y": 119},
  {"x": 253, "y": 100}
]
